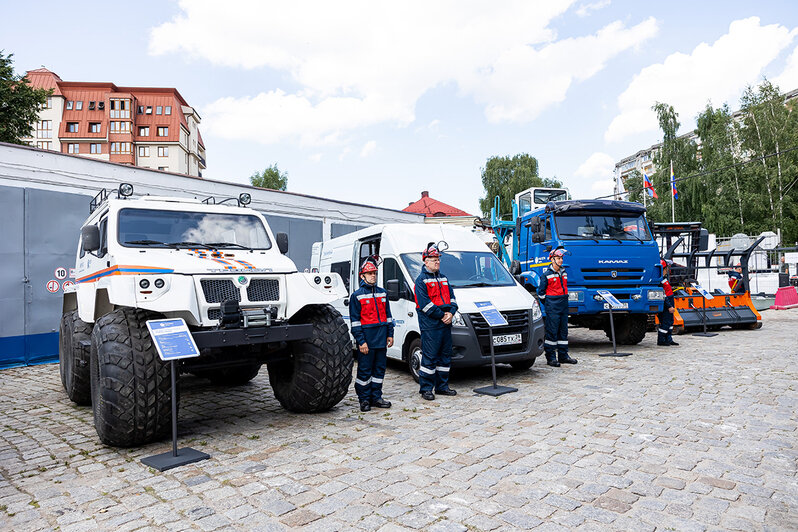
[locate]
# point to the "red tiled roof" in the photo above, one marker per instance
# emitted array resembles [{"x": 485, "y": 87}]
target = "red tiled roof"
[{"x": 432, "y": 207}]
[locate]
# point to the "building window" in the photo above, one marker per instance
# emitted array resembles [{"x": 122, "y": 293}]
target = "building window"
[
  {"x": 167, "y": 110},
  {"x": 72, "y": 127},
  {"x": 69, "y": 105},
  {"x": 73, "y": 148},
  {"x": 92, "y": 105},
  {"x": 49, "y": 104},
  {"x": 144, "y": 131},
  {"x": 96, "y": 148},
  {"x": 149, "y": 110},
  {"x": 163, "y": 131},
  {"x": 163, "y": 168},
  {"x": 44, "y": 145},
  {"x": 79, "y": 105},
  {"x": 158, "y": 110},
  {"x": 120, "y": 147},
  {"x": 144, "y": 151},
  {"x": 120, "y": 127},
  {"x": 44, "y": 129},
  {"x": 140, "y": 110},
  {"x": 94, "y": 127},
  {"x": 163, "y": 151},
  {"x": 120, "y": 108}
]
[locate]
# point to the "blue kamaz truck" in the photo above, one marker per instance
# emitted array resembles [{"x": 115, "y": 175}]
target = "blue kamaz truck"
[{"x": 610, "y": 248}]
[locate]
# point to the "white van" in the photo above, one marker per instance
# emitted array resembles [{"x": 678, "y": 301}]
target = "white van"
[{"x": 474, "y": 273}]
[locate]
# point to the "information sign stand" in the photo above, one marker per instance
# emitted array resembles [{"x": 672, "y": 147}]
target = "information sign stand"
[
  {"x": 173, "y": 342},
  {"x": 613, "y": 302},
  {"x": 705, "y": 295},
  {"x": 494, "y": 319}
]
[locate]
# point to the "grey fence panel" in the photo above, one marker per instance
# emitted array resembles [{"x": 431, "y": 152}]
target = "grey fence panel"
[
  {"x": 337, "y": 230},
  {"x": 12, "y": 278},
  {"x": 302, "y": 234}
]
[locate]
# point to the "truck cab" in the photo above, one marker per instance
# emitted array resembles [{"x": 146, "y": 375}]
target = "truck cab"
[{"x": 474, "y": 273}]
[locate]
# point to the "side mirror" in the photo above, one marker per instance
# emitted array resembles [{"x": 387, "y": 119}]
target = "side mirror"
[
  {"x": 534, "y": 225},
  {"x": 282, "y": 242},
  {"x": 515, "y": 267},
  {"x": 392, "y": 287},
  {"x": 90, "y": 238}
]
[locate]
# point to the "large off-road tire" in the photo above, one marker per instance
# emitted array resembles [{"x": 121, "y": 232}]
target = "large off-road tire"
[
  {"x": 630, "y": 329},
  {"x": 130, "y": 385},
  {"x": 73, "y": 358},
  {"x": 235, "y": 376},
  {"x": 317, "y": 375}
]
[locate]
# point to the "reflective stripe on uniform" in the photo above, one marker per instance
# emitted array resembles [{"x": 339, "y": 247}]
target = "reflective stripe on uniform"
[
  {"x": 663, "y": 331},
  {"x": 363, "y": 383},
  {"x": 562, "y": 342},
  {"x": 355, "y": 324},
  {"x": 550, "y": 342},
  {"x": 428, "y": 371},
  {"x": 442, "y": 368},
  {"x": 428, "y": 306},
  {"x": 376, "y": 380}
]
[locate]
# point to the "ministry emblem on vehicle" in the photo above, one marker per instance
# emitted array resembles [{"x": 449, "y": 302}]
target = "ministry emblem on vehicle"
[{"x": 614, "y": 274}]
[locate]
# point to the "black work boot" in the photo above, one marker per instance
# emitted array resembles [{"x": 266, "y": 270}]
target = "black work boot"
[
  {"x": 567, "y": 360},
  {"x": 552, "y": 361},
  {"x": 365, "y": 406},
  {"x": 381, "y": 403},
  {"x": 429, "y": 396},
  {"x": 446, "y": 391}
]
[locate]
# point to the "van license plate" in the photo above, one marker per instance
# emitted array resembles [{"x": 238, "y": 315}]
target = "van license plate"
[
  {"x": 623, "y": 305},
  {"x": 507, "y": 339}
]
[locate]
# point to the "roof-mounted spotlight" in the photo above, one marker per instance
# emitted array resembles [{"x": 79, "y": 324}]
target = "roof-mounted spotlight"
[
  {"x": 244, "y": 198},
  {"x": 125, "y": 190}
]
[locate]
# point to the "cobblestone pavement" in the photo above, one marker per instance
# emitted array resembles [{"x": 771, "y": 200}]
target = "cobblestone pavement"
[{"x": 699, "y": 437}]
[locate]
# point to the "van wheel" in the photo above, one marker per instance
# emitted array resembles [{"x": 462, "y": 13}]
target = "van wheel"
[
  {"x": 130, "y": 386},
  {"x": 522, "y": 365},
  {"x": 73, "y": 358},
  {"x": 414, "y": 358},
  {"x": 317, "y": 375}
]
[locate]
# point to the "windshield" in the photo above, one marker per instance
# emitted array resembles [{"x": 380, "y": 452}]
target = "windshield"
[
  {"x": 465, "y": 269},
  {"x": 543, "y": 196},
  {"x": 152, "y": 228},
  {"x": 602, "y": 227}
]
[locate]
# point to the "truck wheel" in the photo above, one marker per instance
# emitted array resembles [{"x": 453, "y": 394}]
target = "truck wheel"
[
  {"x": 522, "y": 365},
  {"x": 629, "y": 329},
  {"x": 73, "y": 358},
  {"x": 130, "y": 385},
  {"x": 317, "y": 375},
  {"x": 414, "y": 358},
  {"x": 235, "y": 376}
]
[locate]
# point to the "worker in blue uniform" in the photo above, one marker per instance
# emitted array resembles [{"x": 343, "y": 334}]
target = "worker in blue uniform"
[
  {"x": 436, "y": 306},
  {"x": 372, "y": 327},
  {"x": 553, "y": 292},
  {"x": 665, "y": 327}
]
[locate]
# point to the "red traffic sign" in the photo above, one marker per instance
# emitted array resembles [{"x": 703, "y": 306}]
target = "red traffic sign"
[{"x": 53, "y": 286}]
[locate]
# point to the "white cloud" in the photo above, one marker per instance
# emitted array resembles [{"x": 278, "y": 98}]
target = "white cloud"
[
  {"x": 316, "y": 157},
  {"x": 368, "y": 148},
  {"x": 788, "y": 79},
  {"x": 598, "y": 165},
  {"x": 717, "y": 72},
  {"x": 585, "y": 9},
  {"x": 363, "y": 63},
  {"x": 595, "y": 175}
]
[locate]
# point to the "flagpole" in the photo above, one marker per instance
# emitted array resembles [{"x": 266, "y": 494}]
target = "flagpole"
[
  {"x": 645, "y": 192},
  {"x": 673, "y": 197}
]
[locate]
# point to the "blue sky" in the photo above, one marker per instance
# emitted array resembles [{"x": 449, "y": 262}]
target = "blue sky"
[{"x": 374, "y": 102}]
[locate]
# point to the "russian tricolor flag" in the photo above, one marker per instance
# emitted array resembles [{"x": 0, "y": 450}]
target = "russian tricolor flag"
[
  {"x": 673, "y": 184},
  {"x": 649, "y": 186}
]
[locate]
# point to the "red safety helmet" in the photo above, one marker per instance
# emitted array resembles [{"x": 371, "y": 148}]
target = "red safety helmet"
[
  {"x": 431, "y": 251},
  {"x": 559, "y": 252},
  {"x": 369, "y": 265}
]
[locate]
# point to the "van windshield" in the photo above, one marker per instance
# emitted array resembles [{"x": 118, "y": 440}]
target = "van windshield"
[
  {"x": 601, "y": 226},
  {"x": 465, "y": 269},
  {"x": 156, "y": 228}
]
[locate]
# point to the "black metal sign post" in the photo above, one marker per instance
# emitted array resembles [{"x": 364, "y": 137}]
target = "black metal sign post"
[
  {"x": 492, "y": 317},
  {"x": 173, "y": 341},
  {"x": 704, "y": 298},
  {"x": 612, "y": 302}
]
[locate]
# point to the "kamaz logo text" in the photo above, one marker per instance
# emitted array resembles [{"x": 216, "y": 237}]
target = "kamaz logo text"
[{"x": 617, "y": 261}]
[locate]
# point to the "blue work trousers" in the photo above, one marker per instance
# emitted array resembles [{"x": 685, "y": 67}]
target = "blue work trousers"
[
  {"x": 665, "y": 327},
  {"x": 436, "y": 358},
  {"x": 370, "y": 374},
  {"x": 556, "y": 323}
]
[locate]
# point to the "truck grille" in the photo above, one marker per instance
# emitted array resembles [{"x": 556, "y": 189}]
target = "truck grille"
[
  {"x": 518, "y": 322},
  {"x": 264, "y": 290},
  {"x": 219, "y": 290},
  {"x": 606, "y": 274},
  {"x": 214, "y": 313}
]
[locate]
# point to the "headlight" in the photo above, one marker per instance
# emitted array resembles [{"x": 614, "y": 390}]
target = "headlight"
[
  {"x": 144, "y": 284},
  {"x": 536, "y": 314},
  {"x": 159, "y": 283},
  {"x": 457, "y": 320},
  {"x": 656, "y": 295},
  {"x": 576, "y": 297}
]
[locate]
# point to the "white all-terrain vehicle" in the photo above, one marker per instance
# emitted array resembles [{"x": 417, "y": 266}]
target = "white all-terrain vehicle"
[{"x": 221, "y": 269}]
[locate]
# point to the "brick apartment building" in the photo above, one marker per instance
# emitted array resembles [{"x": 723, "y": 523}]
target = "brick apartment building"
[{"x": 142, "y": 126}]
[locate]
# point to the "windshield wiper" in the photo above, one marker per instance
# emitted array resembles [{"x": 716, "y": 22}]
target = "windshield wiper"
[
  {"x": 189, "y": 245},
  {"x": 474, "y": 285},
  {"x": 594, "y": 239},
  {"x": 227, "y": 245},
  {"x": 146, "y": 243},
  {"x": 633, "y": 235}
]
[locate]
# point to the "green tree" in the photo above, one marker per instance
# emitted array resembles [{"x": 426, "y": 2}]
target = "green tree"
[
  {"x": 19, "y": 103},
  {"x": 634, "y": 186},
  {"x": 507, "y": 176},
  {"x": 271, "y": 178}
]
